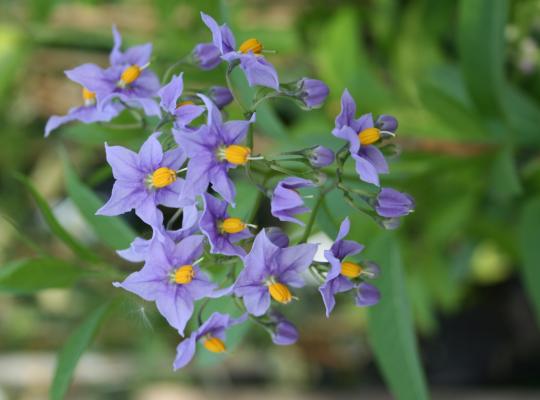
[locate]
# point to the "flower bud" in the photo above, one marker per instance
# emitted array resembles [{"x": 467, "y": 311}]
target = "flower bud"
[
  {"x": 312, "y": 92},
  {"x": 392, "y": 204},
  {"x": 367, "y": 295},
  {"x": 285, "y": 333},
  {"x": 386, "y": 123},
  {"x": 221, "y": 96},
  {"x": 277, "y": 236},
  {"x": 321, "y": 157},
  {"x": 206, "y": 56}
]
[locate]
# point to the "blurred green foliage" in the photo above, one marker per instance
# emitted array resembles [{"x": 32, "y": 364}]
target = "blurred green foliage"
[{"x": 461, "y": 77}]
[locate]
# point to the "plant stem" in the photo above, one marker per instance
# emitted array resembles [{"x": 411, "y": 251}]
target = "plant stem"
[
  {"x": 313, "y": 215},
  {"x": 170, "y": 70}
]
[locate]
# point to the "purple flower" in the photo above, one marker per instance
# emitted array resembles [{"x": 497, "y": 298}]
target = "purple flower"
[
  {"x": 212, "y": 334},
  {"x": 277, "y": 236},
  {"x": 221, "y": 96},
  {"x": 221, "y": 230},
  {"x": 183, "y": 111},
  {"x": 206, "y": 56},
  {"x": 341, "y": 274},
  {"x": 393, "y": 204},
  {"x": 170, "y": 278},
  {"x": 139, "y": 248},
  {"x": 213, "y": 149},
  {"x": 386, "y": 123},
  {"x": 259, "y": 72},
  {"x": 87, "y": 113},
  {"x": 128, "y": 79},
  {"x": 284, "y": 332},
  {"x": 269, "y": 271},
  {"x": 367, "y": 295},
  {"x": 361, "y": 135},
  {"x": 286, "y": 201},
  {"x": 144, "y": 180},
  {"x": 321, "y": 157},
  {"x": 312, "y": 92}
]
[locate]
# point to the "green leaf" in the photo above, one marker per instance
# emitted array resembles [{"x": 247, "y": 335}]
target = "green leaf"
[
  {"x": 481, "y": 47},
  {"x": 505, "y": 182},
  {"x": 390, "y": 326},
  {"x": 57, "y": 229},
  {"x": 72, "y": 351},
  {"x": 31, "y": 275},
  {"x": 343, "y": 62},
  {"x": 112, "y": 231},
  {"x": 529, "y": 232}
]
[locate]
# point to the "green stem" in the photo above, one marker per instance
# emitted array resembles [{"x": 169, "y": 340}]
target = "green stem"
[
  {"x": 313, "y": 215},
  {"x": 168, "y": 73}
]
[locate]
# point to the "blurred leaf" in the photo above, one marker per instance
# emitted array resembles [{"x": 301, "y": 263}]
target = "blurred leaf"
[
  {"x": 57, "y": 229},
  {"x": 41, "y": 9},
  {"x": 72, "y": 351},
  {"x": 343, "y": 63},
  {"x": 112, "y": 231},
  {"x": 529, "y": 232},
  {"x": 30, "y": 275},
  {"x": 390, "y": 328},
  {"x": 523, "y": 114},
  {"x": 505, "y": 183},
  {"x": 443, "y": 94},
  {"x": 481, "y": 47}
]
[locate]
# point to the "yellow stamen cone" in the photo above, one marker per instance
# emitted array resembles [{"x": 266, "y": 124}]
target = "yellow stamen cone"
[
  {"x": 369, "y": 136},
  {"x": 184, "y": 274},
  {"x": 251, "y": 45},
  {"x": 163, "y": 177},
  {"x": 214, "y": 344},
  {"x": 232, "y": 225},
  {"x": 350, "y": 269},
  {"x": 280, "y": 292}
]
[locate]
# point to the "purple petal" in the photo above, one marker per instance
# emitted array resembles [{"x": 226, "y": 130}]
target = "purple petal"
[
  {"x": 348, "y": 110},
  {"x": 257, "y": 303},
  {"x": 147, "y": 283},
  {"x": 124, "y": 163},
  {"x": 188, "y": 250},
  {"x": 176, "y": 309},
  {"x": 137, "y": 250},
  {"x": 215, "y": 29},
  {"x": 91, "y": 77},
  {"x": 187, "y": 113},
  {"x": 294, "y": 260},
  {"x": 222, "y": 184},
  {"x": 259, "y": 72},
  {"x": 148, "y": 212},
  {"x": 350, "y": 135},
  {"x": 235, "y": 131},
  {"x": 124, "y": 197},
  {"x": 367, "y": 295},
  {"x": 185, "y": 352},
  {"x": 151, "y": 154},
  {"x": 170, "y": 93},
  {"x": 375, "y": 157},
  {"x": 366, "y": 170}
]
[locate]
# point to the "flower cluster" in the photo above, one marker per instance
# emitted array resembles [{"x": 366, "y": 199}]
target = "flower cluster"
[{"x": 187, "y": 163}]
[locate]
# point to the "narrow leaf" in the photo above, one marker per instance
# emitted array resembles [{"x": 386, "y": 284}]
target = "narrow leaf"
[
  {"x": 57, "y": 229},
  {"x": 72, "y": 351},
  {"x": 113, "y": 232},
  {"x": 390, "y": 326},
  {"x": 481, "y": 47},
  {"x": 529, "y": 232},
  {"x": 31, "y": 275}
]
